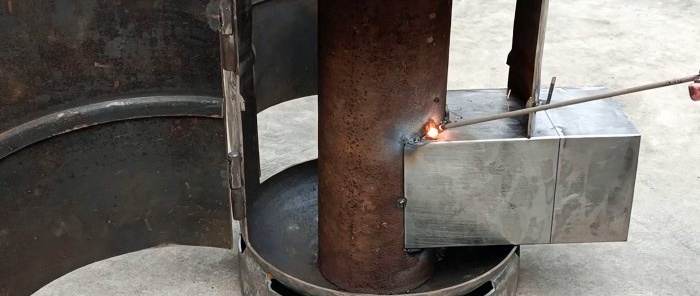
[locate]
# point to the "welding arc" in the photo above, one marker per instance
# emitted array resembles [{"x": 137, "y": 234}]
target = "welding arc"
[{"x": 571, "y": 102}]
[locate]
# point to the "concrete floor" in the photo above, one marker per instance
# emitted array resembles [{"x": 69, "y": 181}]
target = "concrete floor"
[{"x": 594, "y": 42}]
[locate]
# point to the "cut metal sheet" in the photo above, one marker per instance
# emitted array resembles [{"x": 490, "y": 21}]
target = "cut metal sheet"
[
  {"x": 107, "y": 190},
  {"x": 597, "y": 171},
  {"x": 286, "y": 50},
  {"x": 487, "y": 185},
  {"x": 88, "y": 182},
  {"x": 496, "y": 192}
]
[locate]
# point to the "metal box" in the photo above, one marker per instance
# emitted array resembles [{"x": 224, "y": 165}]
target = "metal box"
[
  {"x": 488, "y": 184},
  {"x": 599, "y": 148}
]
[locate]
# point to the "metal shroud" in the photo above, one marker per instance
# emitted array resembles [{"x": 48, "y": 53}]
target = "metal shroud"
[{"x": 488, "y": 184}]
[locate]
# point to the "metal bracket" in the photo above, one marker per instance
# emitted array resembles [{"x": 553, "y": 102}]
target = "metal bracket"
[
  {"x": 229, "y": 46},
  {"x": 538, "y": 102},
  {"x": 234, "y": 105},
  {"x": 236, "y": 192},
  {"x": 235, "y": 161}
]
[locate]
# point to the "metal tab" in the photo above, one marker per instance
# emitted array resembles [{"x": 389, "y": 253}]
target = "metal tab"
[
  {"x": 235, "y": 178},
  {"x": 235, "y": 164},
  {"x": 228, "y": 45},
  {"x": 226, "y": 16}
]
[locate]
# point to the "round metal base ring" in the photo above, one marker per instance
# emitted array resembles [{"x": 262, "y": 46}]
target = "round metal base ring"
[{"x": 279, "y": 242}]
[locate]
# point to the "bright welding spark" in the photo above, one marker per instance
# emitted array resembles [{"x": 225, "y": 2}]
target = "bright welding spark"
[
  {"x": 431, "y": 129},
  {"x": 432, "y": 133}
]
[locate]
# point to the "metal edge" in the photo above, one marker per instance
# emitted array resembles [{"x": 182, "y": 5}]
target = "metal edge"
[
  {"x": 274, "y": 273},
  {"x": 621, "y": 135},
  {"x": 285, "y": 50},
  {"x": 506, "y": 283},
  {"x": 539, "y": 53},
  {"x": 410, "y": 147},
  {"x": 556, "y": 174},
  {"x": 77, "y": 118}
]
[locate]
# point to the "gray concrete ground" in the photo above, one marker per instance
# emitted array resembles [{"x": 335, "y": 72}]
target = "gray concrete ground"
[{"x": 593, "y": 42}]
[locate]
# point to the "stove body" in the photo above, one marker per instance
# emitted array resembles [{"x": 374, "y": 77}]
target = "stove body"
[
  {"x": 459, "y": 205},
  {"x": 468, "y": 198}
]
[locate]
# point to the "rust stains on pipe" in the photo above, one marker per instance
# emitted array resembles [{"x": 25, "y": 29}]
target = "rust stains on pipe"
[{"x": 382, "y": 76}]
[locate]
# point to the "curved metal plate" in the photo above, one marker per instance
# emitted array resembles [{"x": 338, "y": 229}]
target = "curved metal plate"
[
  {"x": 281, "y": 230},
  {"x": 286, "y": 60},
  {"x": 81, "y": 117},
  {"x": 108, "y": 190},
  {"x": 119, "y": 187},
  {"x": 55, "y": 55},
  {"x": 60, "y": 55}
]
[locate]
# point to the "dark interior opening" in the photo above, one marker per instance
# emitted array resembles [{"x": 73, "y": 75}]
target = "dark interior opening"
[
  {"x": 281, "y": 289},
  {"x": 241, "y": 244},
  {"x": 482, "y": 290}
]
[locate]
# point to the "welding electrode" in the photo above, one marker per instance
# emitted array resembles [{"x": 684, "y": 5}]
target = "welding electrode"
[{"x": 694, "y": 94}]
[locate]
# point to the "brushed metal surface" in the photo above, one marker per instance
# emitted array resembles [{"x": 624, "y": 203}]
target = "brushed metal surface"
[
  {"x": 488, "y": 192},
  {"x": 603, "y": 117},
  {"x": 488, "y": 184},
  {"x": 597, "y": 171},
  {"x": 595, "y": 187},
  {"x": 484, "y": 184}
]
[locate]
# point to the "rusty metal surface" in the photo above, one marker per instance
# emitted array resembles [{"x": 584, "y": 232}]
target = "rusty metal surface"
[
  {"x": 50, "y": 49},
  {"x": 234, "y": 106},
  {"x": 113, "y": 188},
  {"x": 254, "y": 279},
  {"x": 107, "y": 190},
  {"x": 382, "y": 76},
  {"x": 244, "y": 74},
  {"x": 77, "y": 118},
  {"x": 286, "y": 59},
  {"x": 241, "y": 108},
  {"x": 56, "y": 55},
  {"x": 525, "y": 57}
]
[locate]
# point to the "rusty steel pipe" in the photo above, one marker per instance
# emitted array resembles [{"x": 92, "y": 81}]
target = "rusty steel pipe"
[{"x": 382, "y": 76}]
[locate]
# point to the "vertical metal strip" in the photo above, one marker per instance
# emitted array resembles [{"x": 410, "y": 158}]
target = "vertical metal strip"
[
  {"x": 246, "y": 62},
  {"x": 525, "y": 58},
  {"x": 241, "y": 126}
]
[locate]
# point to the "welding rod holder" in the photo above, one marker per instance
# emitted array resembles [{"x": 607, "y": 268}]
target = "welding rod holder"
[{"x": 694, "y": 90}]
